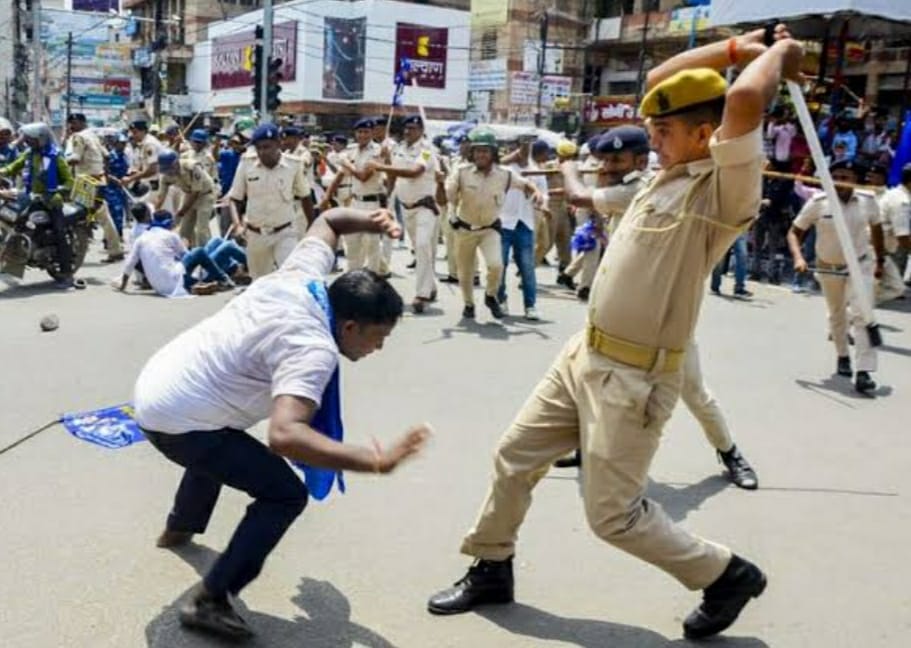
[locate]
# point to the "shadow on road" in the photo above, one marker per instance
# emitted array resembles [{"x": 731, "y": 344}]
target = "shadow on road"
[
  {"x": 490, "y": 330},
  {"x": 325, "y": 621},
  {"x": 842, "y": 385},
  {"x": 537, "y": 624},
  {"x": 678, "y": 500}
]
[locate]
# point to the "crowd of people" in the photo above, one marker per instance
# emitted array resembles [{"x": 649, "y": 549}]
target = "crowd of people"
[{"x": 629, "y": 211}]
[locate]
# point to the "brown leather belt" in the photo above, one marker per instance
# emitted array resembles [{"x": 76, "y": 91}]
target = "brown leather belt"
[
  {"x": 268, "y": 230},
  {"x": 630, "y": 353}
]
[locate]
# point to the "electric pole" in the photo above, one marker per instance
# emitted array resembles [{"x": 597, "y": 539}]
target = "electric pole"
[
  {"x": 640, "y": 77},
  {"x": 159, "y": 56},
  {"x": 69, "y": 73},
  {"x": 542, "y": 64},
  {"x": 266, "y": 114},
  {"x": 37, "y": 96}
]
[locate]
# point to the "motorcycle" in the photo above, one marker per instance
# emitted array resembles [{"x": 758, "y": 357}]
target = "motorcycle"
[{"x": 27, "y": 236}]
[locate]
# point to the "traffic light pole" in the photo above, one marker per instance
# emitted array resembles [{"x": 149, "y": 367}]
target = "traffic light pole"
[{"x": 265, "y": 114}]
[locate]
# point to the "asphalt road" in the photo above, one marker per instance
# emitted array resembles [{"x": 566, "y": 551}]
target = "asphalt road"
[{"x": 830, "y": 523}]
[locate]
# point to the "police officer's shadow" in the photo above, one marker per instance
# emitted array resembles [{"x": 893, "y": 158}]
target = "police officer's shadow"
[
  {"x": 842, "y": 385},
  {"x": 325, "y": 621}
]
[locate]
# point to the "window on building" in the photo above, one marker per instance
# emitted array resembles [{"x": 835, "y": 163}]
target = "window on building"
[
  {"x": 489, "y": 44},
  {"x": 614, "y": 8}
]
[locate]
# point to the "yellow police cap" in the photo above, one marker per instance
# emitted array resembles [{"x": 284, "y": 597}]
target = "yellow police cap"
[
  {"x": 566, "y": 149},
  {"x": 683, "y": 90}
]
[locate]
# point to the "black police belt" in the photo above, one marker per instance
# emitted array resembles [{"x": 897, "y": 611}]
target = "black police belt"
[
  {"x": 458, "y": 223},
  {"x": 268, "y": 230},
  {"x": 427, "y": 202},
  {"x": 380, "y": 198}
]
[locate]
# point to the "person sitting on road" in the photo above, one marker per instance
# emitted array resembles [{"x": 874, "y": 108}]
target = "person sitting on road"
[{"x": 168, "y": 265}]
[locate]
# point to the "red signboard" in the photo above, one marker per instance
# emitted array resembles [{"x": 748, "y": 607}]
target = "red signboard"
[
  {"x": 426, "y": 48},
  {"x": 232, "y": 56}
]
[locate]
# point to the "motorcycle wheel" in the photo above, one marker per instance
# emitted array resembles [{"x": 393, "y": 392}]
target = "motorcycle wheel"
[{"x": 79, "y": 240}]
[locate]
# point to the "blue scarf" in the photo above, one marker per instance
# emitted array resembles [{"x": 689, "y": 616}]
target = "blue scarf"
[
  {"x": 328, "y": 418},
  {"x": 49, "y": 153}
]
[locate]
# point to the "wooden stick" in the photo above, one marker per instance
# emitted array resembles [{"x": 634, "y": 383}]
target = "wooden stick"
[{"x": 816, "y": 181}]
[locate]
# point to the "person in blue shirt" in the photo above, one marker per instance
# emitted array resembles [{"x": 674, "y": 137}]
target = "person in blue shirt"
[
  {"x": 228, "y": 161},
  {"x": 118, "y": 165},
  {"x": 844, "y": 134}
]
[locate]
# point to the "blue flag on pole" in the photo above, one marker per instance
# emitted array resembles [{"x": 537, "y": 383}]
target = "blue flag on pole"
[
  {"x": 109, "y": 427},
  {"x": 902, "y": 153},
  {"x": 401, "y": 79}
]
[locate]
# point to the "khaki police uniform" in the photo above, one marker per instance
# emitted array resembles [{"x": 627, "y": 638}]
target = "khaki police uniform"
[
  {"x": 452, "y": 267},
  {"x": 419, "y": 210},
  {"x": 86, "y": 150},
  {"x": 555, "y": 230},
  {"x": 614, "y": 385},
  {"x": 302, "y": 153},
  {"x": 204, "y": 157},
  {"x": 191, "y": 178},
  {"x": 363, "y": 249},
  {"x": 861, "y": 211},
  {"x": 343, "y": 189},
  {"x": 479, "y": 197},
  {"x": 270, "y": 195},
  {"x": 895, "y": 207}
]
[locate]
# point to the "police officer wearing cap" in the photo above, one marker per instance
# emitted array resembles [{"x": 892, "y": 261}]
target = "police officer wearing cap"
[
  {"x": 292, "y": 139},
  {"x": 270, "y": 185},
  {"x": 86, "y": 155},
  {"x": 197, "y": 190},
  {"x": 614, "y": 385},
  {"x": 368, "y": 192},
  {"x": 864, "y": 223},
  {"x": 413, "y": 171},
  {"x": 145, "y": 154},
  {"x": 199, "y": 151},
  {"x": 625, "y": 171},
  {"x": 479, "y": 189},
  {"x": 338, "y": 144}
]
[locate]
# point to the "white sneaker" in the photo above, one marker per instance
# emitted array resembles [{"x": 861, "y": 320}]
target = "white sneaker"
[{"x": 532, "y": 315}]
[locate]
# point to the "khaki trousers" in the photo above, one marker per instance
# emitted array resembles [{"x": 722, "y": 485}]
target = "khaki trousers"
[
  {"x": 890, "y": 286},
  {"x": 300, "y": 225},
  {"x": 103, "y": 218},
  {"x": 840, "y": 298},
  {"x": 467, "y": 243},
  {"x": 587, "y": 264},
  {"x": 362, "y": 250},
  {"x": 194, "y": 227},
  {"x": 558, "y": 233},
  {"x": 266, "y": 252},
  {"x": 452, "y": 268},
  {"x": 615, "y": 414},
  {"x": 421, "y": 224},
  {"x": 701, "y": 402}
]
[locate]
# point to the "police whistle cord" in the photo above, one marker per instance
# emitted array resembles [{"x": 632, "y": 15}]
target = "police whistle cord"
[{"x": 31, "y": 434}]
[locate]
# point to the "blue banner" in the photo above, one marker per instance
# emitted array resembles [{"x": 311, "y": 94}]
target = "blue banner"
[
  {"x": 902, "y": 153},
  {"x": 110, "y": 427}
]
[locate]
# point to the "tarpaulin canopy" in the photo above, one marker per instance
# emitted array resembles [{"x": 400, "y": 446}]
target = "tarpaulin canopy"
[{"x": 811, "y": 18}]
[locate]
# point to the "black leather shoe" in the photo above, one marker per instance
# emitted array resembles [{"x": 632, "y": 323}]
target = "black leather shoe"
[
  {"x": 723, "y": 600},
  {"x": 487, "y": 582},
  {"x": 495, "y": 309},
  {"x": 572, "y": 461},
  {"x": 213, "y": 615},
  {"x": 863, "y": 383},
  {"x": 584, "y": 293},
  {"x": 844, "y": 366},
  {"x": 739, "y": 469},
  {"x": 468, "y": 312},
  {"x": 412, "y": 265},
  {"x": 566, "y": 280},
  {"x": 476, "y": 282},
  {"x": 449, "y": 279}
]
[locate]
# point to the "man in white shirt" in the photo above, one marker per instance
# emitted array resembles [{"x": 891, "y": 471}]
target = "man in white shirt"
[
  {"x": 167, "y": 264},
  {"x": 895, "y": 205},
  {"x": 271, "y": 353},
  {"x": 517, "y": 219},
  {"x": 864, "y": 223},
  {"x": 413, "y": 169}
]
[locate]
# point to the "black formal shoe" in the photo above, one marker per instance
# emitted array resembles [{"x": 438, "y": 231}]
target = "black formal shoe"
[
  {"x": 863, "y": 383},
  {"x": 449, "y": 279},
  {"x": 433, "y": 296},
  {"x": 468, "y": 312},
  {"x": 723, "y": 600},
  {"x": 566, "y": 280},
  {"x": 844, "y": 366},
  {"x": 739, "y": 469},
  {"x": 417, "y": 306},
  {"x": 584, "y": 293},
  {"x": 572, "y": 461},
  {"x": 213, "y": 615},
  {"x": 169, "y": 539},
  {"x": 487, "y": 582},
  {"x": 476, "y": 282},
  {"x": 412, "y": 265},
  {"x": 495, "y": 309}
]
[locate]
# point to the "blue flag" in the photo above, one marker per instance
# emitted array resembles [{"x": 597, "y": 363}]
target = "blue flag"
[
  {"x": 110, "y": 427},
  {"x": 401, "y": 79},
  {"x": 902, "y": 153}
]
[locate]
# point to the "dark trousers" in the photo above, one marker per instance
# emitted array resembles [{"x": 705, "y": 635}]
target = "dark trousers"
[
  {"x": 236, "y": 459},
  {"x": 64, "y": 251}
]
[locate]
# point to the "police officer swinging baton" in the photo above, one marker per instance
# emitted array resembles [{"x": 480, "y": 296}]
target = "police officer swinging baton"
[{"x": 865, "y": 299}]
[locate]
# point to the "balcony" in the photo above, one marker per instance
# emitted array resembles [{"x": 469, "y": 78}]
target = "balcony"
[{"x": 677, "y": 24}]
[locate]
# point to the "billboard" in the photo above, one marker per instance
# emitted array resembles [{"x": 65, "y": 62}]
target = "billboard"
[
  {"x": 489, "y": 13},
  {"x": 102, "y": 68},
  {"x": 232, "y": 56},
  {"x": 344, "y": 43},
  {"x": 426, "y": 47}
]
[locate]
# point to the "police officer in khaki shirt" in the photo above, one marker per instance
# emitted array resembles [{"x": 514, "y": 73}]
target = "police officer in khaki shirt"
[
  {"x": 200, "y": 151},
  {"x": 198, "y": 195},
  {"x": 458, "y": 160},
  {"x": 864, "y": 223},
  {"x": 625, "y": 162},
  {"x": 614, "y": 385},
  {"x": 86, "y": 154},
  {"x": 270, "y": 183},
  {"x": 145, "y": 154},
  {"x": 338, "y": 144},
  {"x": 368, "y": 192},
  {"x": 479, "y": 189},
  {"x": 292, "y": 139}
]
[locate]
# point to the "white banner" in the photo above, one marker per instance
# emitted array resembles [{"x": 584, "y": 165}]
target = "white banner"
[
  {"x": 487, "y": 75},
  {"x": 523, "y": 88}
]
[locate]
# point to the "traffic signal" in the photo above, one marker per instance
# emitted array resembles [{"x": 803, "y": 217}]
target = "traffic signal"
[
  {"x": 273, "y": 87},
  {"x": 258, "y": 68}
]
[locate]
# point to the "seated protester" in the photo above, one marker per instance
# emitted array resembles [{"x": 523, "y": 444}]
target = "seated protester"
[
  {"x": 167, "y": 264},
  {"x": 231, "y": 259}
]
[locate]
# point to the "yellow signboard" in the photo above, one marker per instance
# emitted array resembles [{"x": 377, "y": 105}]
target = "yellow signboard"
[{"x": 489, "y": 13}]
